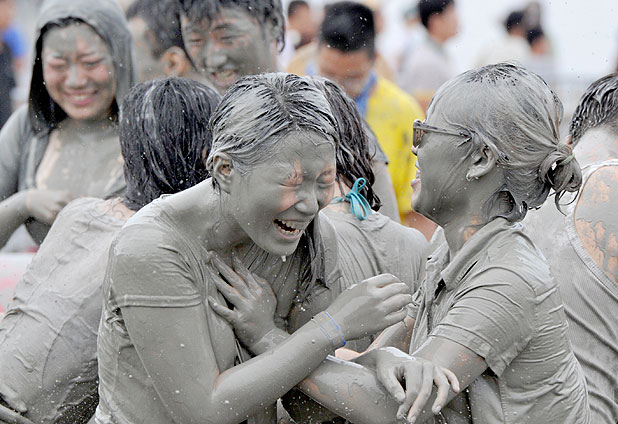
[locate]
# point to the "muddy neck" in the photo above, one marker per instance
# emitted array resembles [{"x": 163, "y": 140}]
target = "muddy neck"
[
  {"x": 88, "y": 125},
  {"x": 470, "y": 219},
  {"x": 205, "y": 212},
  {"x": 596, "y": 145}
]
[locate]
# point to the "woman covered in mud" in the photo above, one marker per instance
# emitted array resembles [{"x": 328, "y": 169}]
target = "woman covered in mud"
[
  {"x": 489, "y": 309},
  {"x": 48, "y": 338},
  {"x": 64, "y": 143},
  {"x": 165, "y": 355},
  {"x": 369, "y": 243}
]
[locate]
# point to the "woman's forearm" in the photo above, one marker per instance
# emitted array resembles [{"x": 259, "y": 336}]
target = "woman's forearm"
[
  {"x": 348, "y": 389},
  {"x": 12, "y": 215},
  {"x": 200, "y": 393}
]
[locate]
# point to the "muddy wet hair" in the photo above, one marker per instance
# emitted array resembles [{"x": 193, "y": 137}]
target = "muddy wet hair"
[
  {"x": 352, "y": 150},
  {"x": 517, "y": 116},
  {"x": 163, "y": 20},
  {"x": 267, "y": 12},
  {"x": 259, "y": 110},
  {"x": 164, "y": 136},
  {"x": 597, "y": 106},
  {"x": 249, "y": 124}
]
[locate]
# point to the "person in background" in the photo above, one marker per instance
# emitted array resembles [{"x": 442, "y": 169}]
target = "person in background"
[
  {"x": 64, "y": 143},
  {"x": 512, "y": 46},
  {"x": 302, "y": 25},
  {"x": 227, "y": 40},
  {"x": 7, "y": 82},
  {"x": 369, "y": 243},
  {"x": 540, "y": 60},
  {"x": 7, "y": 68},
  {"x": 48, "y": 338},
  {"x": 429, "y": 66},
  {"x": 304, "y": 61},
  {"x": 581, "y": 246},
  {"x": 157, "y": 40},
  {"x": 346, "y": 56},
  {"x": 300, "y": 30},
  {"x": 12, "y": 35}
]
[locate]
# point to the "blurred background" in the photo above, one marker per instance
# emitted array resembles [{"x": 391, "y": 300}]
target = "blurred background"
[{"x": 581, "y": 36}]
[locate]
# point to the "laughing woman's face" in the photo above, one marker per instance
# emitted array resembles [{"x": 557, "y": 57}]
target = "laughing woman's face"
[
  {"x": 275, "y": 202},
  {"x": 78, "y": 70}
]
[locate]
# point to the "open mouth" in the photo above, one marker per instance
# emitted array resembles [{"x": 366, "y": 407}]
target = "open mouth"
[
  {"x": 80, "y": 99},
  {"x": 288, "y": 228},
  {"x": 224, "y": 78}
]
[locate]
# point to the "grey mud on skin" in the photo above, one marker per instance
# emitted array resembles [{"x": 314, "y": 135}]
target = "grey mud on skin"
[
  {"x": 47, "y": 373},
  {"x": 242, "y": 207},
  {"x": 478, "y": 192},
  {"x": 73, "y": 70},
  {"x": 233, "y": 45}
]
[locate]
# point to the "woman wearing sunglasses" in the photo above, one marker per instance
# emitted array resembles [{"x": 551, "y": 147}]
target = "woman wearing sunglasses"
[{"x": 488, "y": 309}]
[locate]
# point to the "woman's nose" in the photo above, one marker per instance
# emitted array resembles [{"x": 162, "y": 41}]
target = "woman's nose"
[
  {"x": 76, "y": 78},
  {"x": 308, "y": 203}
]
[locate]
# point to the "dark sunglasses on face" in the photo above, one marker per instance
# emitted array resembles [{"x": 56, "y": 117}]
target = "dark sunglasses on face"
[{"x": 419, "y": 129}]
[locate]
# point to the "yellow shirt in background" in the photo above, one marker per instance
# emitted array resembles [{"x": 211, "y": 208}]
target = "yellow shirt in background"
[{"x": 390, "y": 114}]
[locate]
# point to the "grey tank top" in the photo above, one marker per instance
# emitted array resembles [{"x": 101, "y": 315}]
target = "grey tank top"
[{"x": 590, "y": 298}]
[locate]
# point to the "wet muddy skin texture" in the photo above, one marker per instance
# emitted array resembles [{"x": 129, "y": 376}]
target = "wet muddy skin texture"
[
  {"x": 582, "y": 251},
  {"x": 486, "y": 259},
  {"x": 68, "y": 127},
  {"x": 233, "y": 45}
]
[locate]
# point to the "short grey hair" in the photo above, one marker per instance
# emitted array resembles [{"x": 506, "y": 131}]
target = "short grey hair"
[{"x": 513, "y": 112}]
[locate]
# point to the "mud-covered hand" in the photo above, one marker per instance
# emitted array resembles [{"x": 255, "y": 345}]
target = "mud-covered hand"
[
  {"x": 397, "y": 370},
  {"x": 44, "y": 205},
  {"x": 370, "y": 306},
  {"x": 253, "y": 299}
]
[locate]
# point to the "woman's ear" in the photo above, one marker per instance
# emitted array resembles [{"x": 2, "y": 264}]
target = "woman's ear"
[
  {"x": 223, "y": 172},
  {"x": 483, "y": 162}
]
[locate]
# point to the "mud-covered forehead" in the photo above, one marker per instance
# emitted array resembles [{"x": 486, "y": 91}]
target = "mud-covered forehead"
[
  {"x": 267, "y": 12},
  {"x": 64, "y": 40},
  {"x": 258, "y": 110}
]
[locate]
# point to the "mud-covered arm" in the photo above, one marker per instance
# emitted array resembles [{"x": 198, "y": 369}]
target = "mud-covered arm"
[
  {"x": 190, "y": 384},
  {"x": 596, "y": 220},
  {"x": 168, "y": 324},
  {"x": 12, "y": 204}
]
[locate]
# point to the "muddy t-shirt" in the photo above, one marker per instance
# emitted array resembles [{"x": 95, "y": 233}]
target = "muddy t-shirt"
[
  {"x": 376, "y": 245},
  {"x": 497, "y": 298},
  {"x": 48, "y": 338},
  {"x": 155, "y": 262}
]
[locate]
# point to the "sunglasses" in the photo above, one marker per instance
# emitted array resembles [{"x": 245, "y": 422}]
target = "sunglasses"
[{"x": 419, "y": 128}]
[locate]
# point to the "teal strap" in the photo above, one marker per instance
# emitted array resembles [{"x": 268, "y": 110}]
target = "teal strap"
[{"x": 359, "y": 206}]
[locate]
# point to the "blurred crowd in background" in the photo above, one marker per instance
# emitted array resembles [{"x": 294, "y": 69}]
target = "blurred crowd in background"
[{"x": 568, "y": 43}]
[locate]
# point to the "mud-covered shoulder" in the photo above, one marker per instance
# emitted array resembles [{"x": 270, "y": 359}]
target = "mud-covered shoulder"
[{"x": 596, "y": 219}]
